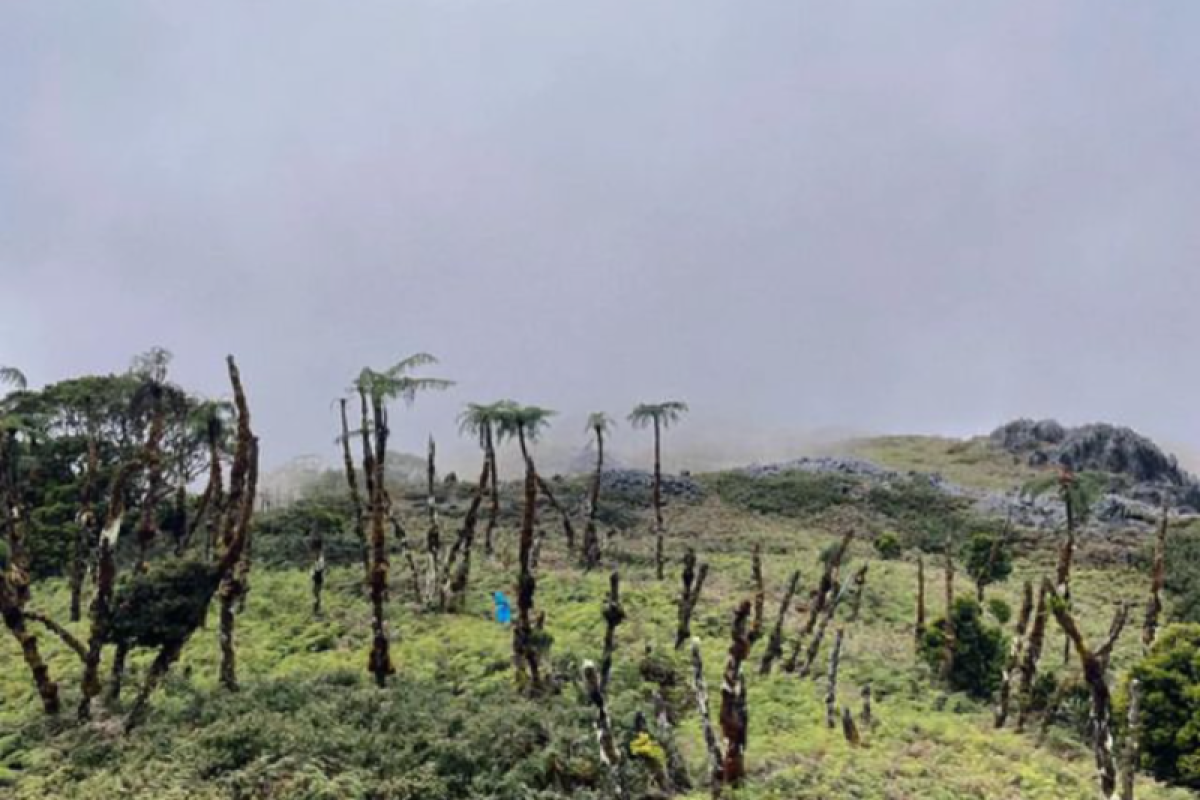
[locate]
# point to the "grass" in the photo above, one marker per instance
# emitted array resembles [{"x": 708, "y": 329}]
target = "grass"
[
  {"x": 973, "y": 463},
  {"x": 308, "y": 724}
]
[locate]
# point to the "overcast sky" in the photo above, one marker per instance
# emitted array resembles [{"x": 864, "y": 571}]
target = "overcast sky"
[{"x": 879, "y": 216}]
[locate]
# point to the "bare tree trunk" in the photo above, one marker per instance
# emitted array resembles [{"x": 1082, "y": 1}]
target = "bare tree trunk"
[
  {"x": 116, "y": 675},
  {"x": 318, "y": 578},
  {"x": 434, "y": 596},
  {"x": 568, "y": 528},
  {"x": 1095, "y": 667},
  {"x": 835, "y": 659},
  {"x": 828, "y": 586},
  {"x": 85, "y": 536},
  {"x": 859, "y": 585},
  {"x": 62, "y": 633},
  {"x": 1014, "y": 656},
  {"x": 610, "y": 754},
  {"x": 489, "y": 544},
  {"x": 167, "y": 656},
  {"x": 356, "y": 502},
  {"x": 849, "y": 729},
  {"x": 734, "y": 716},
  {"x": 14, "y": 620},
  {"x": 1133, "y": 734},
  {"x": 775, "y": 641},
  {"x": 1066, "y": 554},
  {"x": 693, "y": 583},
  {"x": 676, "y": 768},
  {"x": 920, "y": 628},
  {"x": 380, "y": 660},
  {"x": 1158, "y": 577},
  {"x": 458, "y": 565},
  {"x": 591, "y": 538},
  {"x": 716, "y": 758},
  {"x": 148, "y": 524},
  {"x": 760, "y": 594},
  {"x": 1033, "y": 653},
  {"x": 614, "y": 615},
  {"x": 868, "y": 718},
  {"x": 814, "y": 644},
  {"x": 525, "y": 653}
]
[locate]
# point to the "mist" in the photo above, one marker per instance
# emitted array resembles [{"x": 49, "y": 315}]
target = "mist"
[{"x": 800, "y": 218}]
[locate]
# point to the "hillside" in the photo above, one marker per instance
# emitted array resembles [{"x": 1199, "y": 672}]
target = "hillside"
[{"x": 308, "y": 723}]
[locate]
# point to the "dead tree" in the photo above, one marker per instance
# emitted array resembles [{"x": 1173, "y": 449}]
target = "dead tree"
[
  {"x": 859, "y": 585},
  {"x": 716, "y": 758},
  {"x": 1133, "y": 736},
  {"x": 15, "y": 619},
  {"x": 152, "y": 461},
  {"x": 734, "y": 717},
  {"x": 693, "y": 583},
  {"x": 868, "y": 718},
  {"x": 1154, "y": 605},
  {"x": 318, "y": 573},
  {"x": 563, "y": 514},
  {"x": 356, "y": 501},
  {"x": 433, "y": 538},
  {"x": 775, "y": 640},
  {"x": 100, "y": 611},
  {"x": 835, "y": 660},
  {"x": 374, "y": 439},
  {"x": 920, "y": 627},
  {"x": 87, "y": 528},
  {"x": 610, "y": 754},
  {"x": 760, "y": 594},
  {"x": 814, "y": 644},
  {"x": 1014, "y": 656},
  {"x": 1067, "y": 485},
  {"x": 526, "y": 655},
  {"x": 1095, "y": 669},
  {"x": 676, "y": 767},
  {"x": 599, "y": 424},
  {"x": 458, "y": 563},
  {"x": 614, "y": 615},
  {"x": 1033, "y": 653},
  {"x": 235, "y": 533},
  {"x": 849, "y": 729},
  {"x": 828, "y": 587}
]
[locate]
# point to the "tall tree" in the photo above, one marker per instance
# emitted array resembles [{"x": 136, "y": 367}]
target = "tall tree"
[
  {"x": 376, "y": 389},
  {"x": 1154, "y": 605},
  {"x": 599, "y": 424},
  {"x": 481, "y": 420},
  {"x": 526, "y": 424},
  {"x": 658, "y": 416}
]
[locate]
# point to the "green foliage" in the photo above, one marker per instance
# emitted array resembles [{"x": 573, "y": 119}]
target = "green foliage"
[
  {"x": 1170, "y": 687},
  {"x": 1000, "y": 610},
  {"x": 921, "y": 510},
  {"x": 162, "y": 605},
  {"x": 988, "y": 558},
  {"x": 978, "y": 650},
  {"x": 1182, "y": 579},
  {"x": 663, "y": 414},
  {"x": 284, "y": 536},
  {"x": 793, "y": 493},
  {"x": 888, "y": 546}
]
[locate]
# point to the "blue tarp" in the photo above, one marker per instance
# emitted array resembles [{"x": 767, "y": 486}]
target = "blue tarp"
[{"x": 503, "y": 611}]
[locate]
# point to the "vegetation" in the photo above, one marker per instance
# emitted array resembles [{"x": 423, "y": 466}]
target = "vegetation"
[
  {"x": 583, "y": 694},
  {"x": 1169, "y": 678}
]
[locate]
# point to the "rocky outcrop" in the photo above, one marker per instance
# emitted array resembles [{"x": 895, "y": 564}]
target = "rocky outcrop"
[{"x": 638, "y": 483}]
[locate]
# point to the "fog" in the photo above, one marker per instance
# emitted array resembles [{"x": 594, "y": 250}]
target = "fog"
[{"x": 801, "y": 218}]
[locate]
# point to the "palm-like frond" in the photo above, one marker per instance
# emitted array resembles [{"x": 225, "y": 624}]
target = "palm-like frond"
[
  {"x": 11, "y": 376},
  {"x": 394, "y": 382},
  {"x": 513, "y": 420},
  {"x": 665, "y": 414},
  {"x": 600, "y": 422}
]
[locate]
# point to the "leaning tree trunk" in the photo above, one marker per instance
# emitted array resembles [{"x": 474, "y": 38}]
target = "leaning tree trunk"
[
  {"x": 100, "y": 612},
  {"x": 1154, "y": 605},
  {"x": 1014, "y": 656},
  {"x": 614, "y": 615},
  {"x": 693, "y": 583},
  {"x": 148, "y": 523},
  {"x": 1033, "y": 653},
  {"x": 85, "y": 536},
  {"x": 356, "y": 502},
  {"x": 14, "y": 620},
  {"x": 716, "y": 758},
  {"x": 835, "y": 660},
  {"x": 734, "y": 715},
  {"x": 458, "y": 564},
  {"x": 775, "y": 641},
  {"x": 1095, "y": 668}
]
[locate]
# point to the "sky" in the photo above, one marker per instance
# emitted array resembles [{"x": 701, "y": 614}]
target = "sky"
[{"x": 799, "y": 217}]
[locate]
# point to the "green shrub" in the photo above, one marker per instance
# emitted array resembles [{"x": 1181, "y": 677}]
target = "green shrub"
[
  {"x": 888, "y": 546},
  {"x": 1170, "y": 687},
  {"x": 1183, "y": 574},
  {"x": 978, "y": 650},
  {"x": 793, "y": 493},
  {"x": 988, "y": 559},
  {"x": 1000, "y": 610},
  {"x": 162, "y": 605}
]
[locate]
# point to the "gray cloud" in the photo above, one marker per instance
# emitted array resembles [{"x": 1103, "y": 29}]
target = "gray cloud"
[{"x": 886, "y": 216}]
